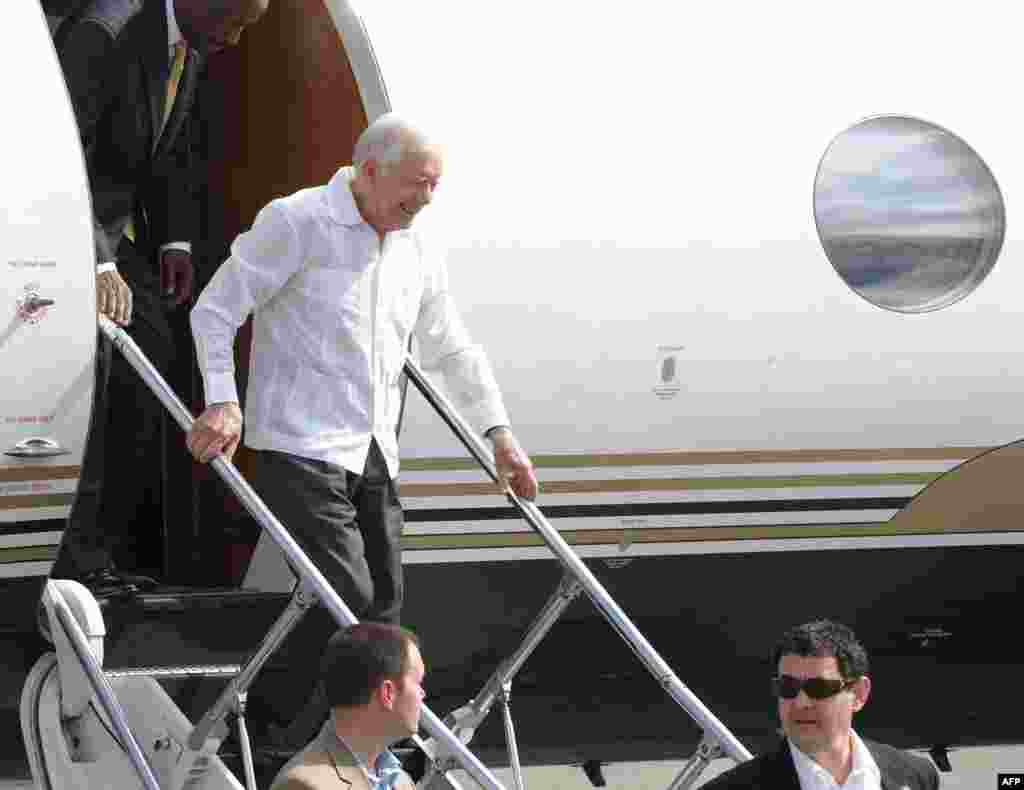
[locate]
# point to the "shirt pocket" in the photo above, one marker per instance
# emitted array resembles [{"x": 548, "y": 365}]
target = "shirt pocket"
[{"x": 332, "y": 289}]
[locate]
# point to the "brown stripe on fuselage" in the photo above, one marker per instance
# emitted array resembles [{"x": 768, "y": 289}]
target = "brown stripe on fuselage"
[
  {"x": 18, "y": 474},
  {"x": 634, "y": 485},
  {"x": 710, "y": 457},
  {"x": 19, "y": 501},
  {"x": 625, "y": 537}
]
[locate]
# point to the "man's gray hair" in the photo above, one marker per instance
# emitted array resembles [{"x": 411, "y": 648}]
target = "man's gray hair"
[{"x": 387, "y": 141}]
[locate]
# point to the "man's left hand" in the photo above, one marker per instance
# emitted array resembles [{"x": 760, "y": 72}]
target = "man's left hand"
[
  {"x": 513, "y": 464},
  {"x": 176, "y": 275}
]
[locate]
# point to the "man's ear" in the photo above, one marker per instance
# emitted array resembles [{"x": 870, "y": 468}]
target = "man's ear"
[
  {"x": 861, "y": 692},
  {"x": 387, "y": 692}
]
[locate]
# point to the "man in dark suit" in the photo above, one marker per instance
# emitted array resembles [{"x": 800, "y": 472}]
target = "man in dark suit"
[
  {"x": 130, "y": 68},
  {"x": 821, "y": 681}
]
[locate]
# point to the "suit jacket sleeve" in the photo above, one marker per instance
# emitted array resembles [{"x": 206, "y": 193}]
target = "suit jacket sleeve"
[{"x": 87, "y": 60}]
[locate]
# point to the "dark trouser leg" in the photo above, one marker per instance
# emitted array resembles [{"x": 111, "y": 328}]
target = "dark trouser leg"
[
  {"x": 378, "y": 514},
  {"x": 136, "y": 452},
  {"x": 380, "y": 521},
  {"x": 123, "y": 470},
  {"x": 83, "y": 546},
  {"x": 311, "y": 499}
]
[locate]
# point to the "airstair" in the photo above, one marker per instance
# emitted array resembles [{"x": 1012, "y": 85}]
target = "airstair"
[{"x": 87, "y": 728}]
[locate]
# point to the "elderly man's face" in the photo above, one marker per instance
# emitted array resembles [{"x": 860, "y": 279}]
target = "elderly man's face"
[
  {"x": 215, "y": 26},
  {"x": 398, "y": 192},
  {"x": 816, "y": 725}
]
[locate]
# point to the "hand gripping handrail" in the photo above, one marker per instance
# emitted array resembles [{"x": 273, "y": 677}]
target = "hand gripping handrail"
[
  {"x": 657, "y": 666},
  {"x": 298, "y": 559}
]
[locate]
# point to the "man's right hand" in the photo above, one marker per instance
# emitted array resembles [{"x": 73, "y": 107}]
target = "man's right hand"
[
  {"x": 216, "y": 432},
  {"x": 114, "y": 297}
]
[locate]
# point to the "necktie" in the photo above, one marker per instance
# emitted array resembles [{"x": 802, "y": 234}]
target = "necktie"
[{"x": 176, "y": 69}]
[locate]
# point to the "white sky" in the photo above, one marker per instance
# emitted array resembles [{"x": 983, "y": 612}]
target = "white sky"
[
  {"x": 648, "y": 124},
  {"x": 517, "y": 103}
]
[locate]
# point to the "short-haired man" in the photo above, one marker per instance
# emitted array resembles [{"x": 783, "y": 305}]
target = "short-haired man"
[
  {"x": 373, "y": 674},
  {"x": 821, "y": 680}
]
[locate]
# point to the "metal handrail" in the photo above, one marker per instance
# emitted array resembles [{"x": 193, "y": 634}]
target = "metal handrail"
[
  {"x": 657, "y": 666},
  {"x": 298, "y": 559},
  {"x": 100, "y": 684}
]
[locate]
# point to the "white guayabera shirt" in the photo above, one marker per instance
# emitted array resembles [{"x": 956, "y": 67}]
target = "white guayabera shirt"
[
  {"x": 333, "y": 310},
  {"x": 863, "y": 776}
]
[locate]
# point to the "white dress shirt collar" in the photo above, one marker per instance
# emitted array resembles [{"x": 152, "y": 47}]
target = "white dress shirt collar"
[
  {"x": 863, "y": 774},
  {"x": 173, "y": 31},
  {"x": 340, "y": 201}
]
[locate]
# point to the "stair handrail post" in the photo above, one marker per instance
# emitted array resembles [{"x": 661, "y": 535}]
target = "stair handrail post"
[
  {"x": 98, "y": 680},
  {"x": 616, "y": 617}
]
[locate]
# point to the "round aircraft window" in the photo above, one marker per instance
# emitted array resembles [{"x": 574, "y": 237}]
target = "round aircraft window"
[{"x": 909, "y": 215}]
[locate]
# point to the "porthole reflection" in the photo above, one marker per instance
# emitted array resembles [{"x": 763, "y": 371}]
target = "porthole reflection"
[{"x": 909, "y": 215}]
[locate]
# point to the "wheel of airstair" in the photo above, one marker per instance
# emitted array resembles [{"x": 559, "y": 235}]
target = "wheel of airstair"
[
  {"x": 57, "y": 699},
  {"x": 69, "y": 735}
]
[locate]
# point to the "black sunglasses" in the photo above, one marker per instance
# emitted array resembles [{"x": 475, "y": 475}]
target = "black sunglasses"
[{"x": 788, "y": 687}]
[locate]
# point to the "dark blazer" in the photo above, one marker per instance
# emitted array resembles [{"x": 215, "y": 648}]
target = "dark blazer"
[
  {"x": 775, "y": 771},
  {"x": 114, "y": 55}
]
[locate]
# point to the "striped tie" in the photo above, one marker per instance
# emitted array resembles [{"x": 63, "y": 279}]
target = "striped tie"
[{"x": 177, "y": 67}]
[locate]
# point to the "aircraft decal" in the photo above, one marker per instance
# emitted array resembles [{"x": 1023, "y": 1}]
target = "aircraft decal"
[
  {"x": 30, "y": 306},
  {"x": 667, "y": 385}
]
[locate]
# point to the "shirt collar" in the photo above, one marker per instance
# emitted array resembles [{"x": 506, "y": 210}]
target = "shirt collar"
[
  {"x": 809, "y": 771},
  {"x": 386, "y": 768},
  {"x": 340, "y": 200},
  {"x": 173, "y": 31},
  {"x": 862, "y": 759}
]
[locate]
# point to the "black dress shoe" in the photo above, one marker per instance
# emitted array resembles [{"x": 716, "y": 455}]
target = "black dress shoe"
[
  {"x": 107, "y": 583},
  {"x": 144, "y": 583}
]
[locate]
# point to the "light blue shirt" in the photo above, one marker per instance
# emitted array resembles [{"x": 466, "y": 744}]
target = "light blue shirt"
[{"x": 386, "y": 771}]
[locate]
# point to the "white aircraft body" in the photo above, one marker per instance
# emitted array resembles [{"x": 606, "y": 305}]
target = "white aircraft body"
[{"x": 730, "y": 418}]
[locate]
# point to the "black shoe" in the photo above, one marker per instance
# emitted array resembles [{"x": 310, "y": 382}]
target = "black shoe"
[
  {"x": 144, "y": 583},
  {"x": 107, "y": 583}
]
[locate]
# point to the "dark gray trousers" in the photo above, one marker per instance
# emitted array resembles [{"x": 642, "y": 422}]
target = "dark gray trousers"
[
  {"x": 122, "y": 484},
  {"x": 350, "y": 525}
]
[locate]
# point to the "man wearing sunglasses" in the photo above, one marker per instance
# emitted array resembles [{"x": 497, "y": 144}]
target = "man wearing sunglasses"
[{"x": 821, "y": 680}]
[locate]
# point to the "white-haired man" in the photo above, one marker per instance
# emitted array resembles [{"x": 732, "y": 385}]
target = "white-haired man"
[{"x": 337, "y": 283}]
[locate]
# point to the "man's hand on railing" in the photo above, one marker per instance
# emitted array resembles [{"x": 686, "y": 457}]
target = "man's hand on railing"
[
  {"x": 513, "y": 465},
  {"x": 113, "y": 297},
  {"x": 216, "y": 432}
]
